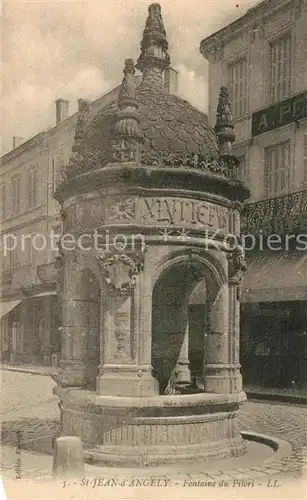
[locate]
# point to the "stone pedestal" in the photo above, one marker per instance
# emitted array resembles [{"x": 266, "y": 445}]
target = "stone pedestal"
[{"x": 68, "y": 460}]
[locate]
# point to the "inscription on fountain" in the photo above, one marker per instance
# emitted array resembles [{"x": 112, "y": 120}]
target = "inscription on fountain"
[{"x": 171, "y": 211}]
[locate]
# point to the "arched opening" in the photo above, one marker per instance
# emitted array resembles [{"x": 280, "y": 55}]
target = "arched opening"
[{"x": 180, "y": 319}]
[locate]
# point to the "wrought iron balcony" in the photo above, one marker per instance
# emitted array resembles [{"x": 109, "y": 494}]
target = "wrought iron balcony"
[{"x": 280, "y": 215}]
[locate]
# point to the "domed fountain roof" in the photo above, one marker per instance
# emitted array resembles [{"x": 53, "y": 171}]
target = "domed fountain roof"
[
  {"x": 147, "y": 126},
  {"x": 166, "y": 122}
]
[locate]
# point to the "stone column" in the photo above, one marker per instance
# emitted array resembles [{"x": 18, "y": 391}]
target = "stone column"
[
  {"x": 234, "y": 337},
  {"x": 236, "y": 269},
  {"x": 216, "y": 368},
  {"x": 125, "y": 353},
  {"x": 79, "y": 328}
]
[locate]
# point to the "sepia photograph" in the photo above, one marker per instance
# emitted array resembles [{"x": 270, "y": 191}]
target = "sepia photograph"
[{"x": 153, "y": 249}]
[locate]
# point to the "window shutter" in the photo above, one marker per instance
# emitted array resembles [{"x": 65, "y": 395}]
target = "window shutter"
[
  {"x": 237, "y": 82},
  {"x": 281, "y": 68},
  {"x": 16, "y": 195},
  {"x": 277, "y": 170}
]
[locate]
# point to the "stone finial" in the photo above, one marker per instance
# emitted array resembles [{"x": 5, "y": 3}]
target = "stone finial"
[
  {"x": 224, "y": 123},
  {"x": 127, "y": 120},
  {"x": 154, "y": 58},
  {"x": 124, "y": 145},
  {"x": 83, "y": 115}
]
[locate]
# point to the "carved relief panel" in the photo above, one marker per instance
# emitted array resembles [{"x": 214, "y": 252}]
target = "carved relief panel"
[{"x": 120, "y": 272}]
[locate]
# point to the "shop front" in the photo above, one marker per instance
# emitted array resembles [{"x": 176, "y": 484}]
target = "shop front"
[
  {"x": 274, "y": 322},
  {"x": 30, "y": 330}
]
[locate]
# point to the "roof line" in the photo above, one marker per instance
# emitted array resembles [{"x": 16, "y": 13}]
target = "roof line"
[
  {"x": 230, "y": 27},
  {"x": 32, "y": 141}
]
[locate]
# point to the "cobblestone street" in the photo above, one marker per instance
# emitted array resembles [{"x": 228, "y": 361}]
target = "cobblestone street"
[{"x": 30, "y": 408}]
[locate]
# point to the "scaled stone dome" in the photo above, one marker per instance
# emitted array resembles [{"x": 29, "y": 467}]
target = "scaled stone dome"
[
  {"x": 148, "y": 127},
  {"x": 167, "y": 123}
]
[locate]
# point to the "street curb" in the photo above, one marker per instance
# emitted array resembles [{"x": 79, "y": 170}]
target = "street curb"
[
  {"x": 281, "y": 447},
  {"x": 282, "y": 398}
]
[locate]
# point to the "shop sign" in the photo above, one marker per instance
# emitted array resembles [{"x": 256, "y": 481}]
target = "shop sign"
[{"x": 280, "y": 114}]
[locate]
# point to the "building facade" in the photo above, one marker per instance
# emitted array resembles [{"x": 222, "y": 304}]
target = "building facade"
[
  {"x": 30, "y": 311},
  {"x": 261, "y": 58}
]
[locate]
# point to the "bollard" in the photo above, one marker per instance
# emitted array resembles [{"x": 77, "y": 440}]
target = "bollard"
[{"x": 68, "y": 458}]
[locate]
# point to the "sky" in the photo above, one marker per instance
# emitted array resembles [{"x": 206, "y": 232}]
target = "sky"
[{"x": 76, "y": 49}]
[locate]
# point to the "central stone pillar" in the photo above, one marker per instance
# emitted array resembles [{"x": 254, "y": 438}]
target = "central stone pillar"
[{"x": 183, "y": 373}]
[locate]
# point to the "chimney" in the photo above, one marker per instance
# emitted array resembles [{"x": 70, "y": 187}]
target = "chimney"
[
  {"x": 81, "y": 104},
  {"x": 61, "y": 110},
  {"x": 171, "y": 80},
  {"x": 17, "y": 141}
]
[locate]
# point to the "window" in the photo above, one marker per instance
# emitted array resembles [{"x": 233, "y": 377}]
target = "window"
[
  {"x": 281, "y": 69},
  {"x": 237, "y": 79},
  {"x": 16, "y": 195},
  {"x": 277, "y": 169},
  {"x": 32, "y": 188},
  {"x": 241, "y": 171},
  {"x": 3, "y": 200},
  {"x": 305, "y": 160}
]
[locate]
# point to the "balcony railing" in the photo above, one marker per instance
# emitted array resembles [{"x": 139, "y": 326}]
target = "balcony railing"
[{"x": 280, "y": 215}]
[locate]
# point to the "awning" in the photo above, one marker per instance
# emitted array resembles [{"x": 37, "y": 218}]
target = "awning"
[
  {"x": 7, "y": 305},
  {"x": 275, "y": 276},
  {"x": 44, "y": 294}
]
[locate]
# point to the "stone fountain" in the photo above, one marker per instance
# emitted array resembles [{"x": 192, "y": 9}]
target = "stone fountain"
[{"x": 149, "y": 369}]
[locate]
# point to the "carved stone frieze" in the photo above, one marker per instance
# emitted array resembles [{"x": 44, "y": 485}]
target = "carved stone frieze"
[
  {"x": 124, "y": 149},
  {"x": 122, "y": 210},
  {"x": 82, "y": 162},
  {"x": 215, "y": 165}
]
